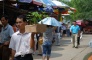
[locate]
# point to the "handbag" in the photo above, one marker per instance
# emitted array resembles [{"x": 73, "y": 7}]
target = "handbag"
[
  {"x": 40, "y": 41},
  {"x": 90, "y": 43}
]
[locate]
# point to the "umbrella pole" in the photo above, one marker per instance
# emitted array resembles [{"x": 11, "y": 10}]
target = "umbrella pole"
[{"x": 59, "y": 15}]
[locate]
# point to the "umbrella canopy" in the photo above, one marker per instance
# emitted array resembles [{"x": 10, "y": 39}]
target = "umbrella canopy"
[
  {"x": 26, "y": 1},
  {"x": 49, "y": 9},
  {"x": 60, "y": 4},
  {"x": 50, "y": 21},
  {"x": 80, "y": 22},
  {"x": 37, "y": 2},
  {"x": 48, "y": 2}
]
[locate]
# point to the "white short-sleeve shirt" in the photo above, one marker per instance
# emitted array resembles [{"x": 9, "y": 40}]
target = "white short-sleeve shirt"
[{"x": 21, "y": 43}]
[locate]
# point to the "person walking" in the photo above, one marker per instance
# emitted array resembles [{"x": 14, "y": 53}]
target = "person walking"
[
  {"x": 68, "y": 29},
  {"x": 57, "y": 36},
  {"x": 6, "y": 33},
  {"x": 64, "y": 29},
  {"x": 0, "y": 40},
  {"x": 47, "y": 42},
  {"x": 75, "y": 31},
  {"x": 22, "y": 43}
]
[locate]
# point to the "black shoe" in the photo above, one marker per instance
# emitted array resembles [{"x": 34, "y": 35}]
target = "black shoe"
[
  {"x": 40, "y": 54},
  {"x": 78, "y": 43},
  {"x": 73, "y": 46},
  {"x": 76, "y": 47}
]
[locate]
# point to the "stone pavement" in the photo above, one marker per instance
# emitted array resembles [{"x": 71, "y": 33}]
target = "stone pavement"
[{"x": 66, "y": 52}]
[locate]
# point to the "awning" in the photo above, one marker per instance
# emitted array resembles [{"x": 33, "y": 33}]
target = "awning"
[
  {"x": 37, "y": 2},
  {"x": 48, "y": 2},
  {"x": 25, "y": 1},
  {"x": 72, "y": 9},
  {"x": 9, "y": 1},
  {"x": 60, "y": 4},
  {"x": 63, "y": 12},
  {"x": 66, "y": 11}
]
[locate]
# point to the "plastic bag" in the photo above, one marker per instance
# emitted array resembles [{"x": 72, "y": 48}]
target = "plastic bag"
[{"x": 90, "y": 43}]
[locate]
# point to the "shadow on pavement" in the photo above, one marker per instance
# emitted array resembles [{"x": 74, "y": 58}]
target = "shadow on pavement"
[
  {"x": 57, "y": 48},
  {"x": 54, "y": 55},
  {"x": 83, "y": 46},
  {"x": 37, "y": 57},
  {"x": 65, "y": 42}
]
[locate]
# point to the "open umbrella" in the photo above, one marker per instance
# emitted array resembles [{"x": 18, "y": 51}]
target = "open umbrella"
[
  {"x": 60, "y": 4},
  {"x": 48, "y": 9},
  {"x": 80, "y": 22},
  {"x": 50, "y": 21}
]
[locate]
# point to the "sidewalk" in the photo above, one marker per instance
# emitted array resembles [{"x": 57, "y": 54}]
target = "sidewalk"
[{"x": 66, "y": 52}]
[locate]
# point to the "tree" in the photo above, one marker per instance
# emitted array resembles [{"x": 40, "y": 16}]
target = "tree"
[{"x": 83, "y": 7}]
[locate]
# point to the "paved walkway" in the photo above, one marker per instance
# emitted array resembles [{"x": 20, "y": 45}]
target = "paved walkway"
[{"x": 66, "y": 52}]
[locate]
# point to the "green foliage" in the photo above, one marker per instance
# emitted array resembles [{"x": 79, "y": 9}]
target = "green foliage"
[
  {"x": 83, "y": 7},
  {"x": 34, "y": 17}
]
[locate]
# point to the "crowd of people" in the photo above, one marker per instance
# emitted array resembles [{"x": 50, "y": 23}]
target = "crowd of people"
[{"x": 16, "y": 44}]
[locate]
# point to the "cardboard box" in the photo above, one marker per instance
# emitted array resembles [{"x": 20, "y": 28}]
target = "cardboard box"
[{"x": 35, "y": 28}]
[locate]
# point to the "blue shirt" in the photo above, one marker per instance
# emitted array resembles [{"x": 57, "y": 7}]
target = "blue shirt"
[
  {"x": 6, "y": 33},
  {"x": 74, "y": 29},
  {"x": 47, "y": 36}
]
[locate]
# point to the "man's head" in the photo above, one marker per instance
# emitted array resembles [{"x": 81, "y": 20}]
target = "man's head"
[
  {"x": 4, "y": 20},
  {"x": 74, "y": 22},
  {"x": 49, "y": 26},
  {"x": 21, "y": 21},
  {"x": 68, "y": 22}
]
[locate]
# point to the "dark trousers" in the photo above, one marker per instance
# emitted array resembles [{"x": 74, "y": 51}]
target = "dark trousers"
[
  {"x": 37, "y": 42},
  {"x": 78, "y": 40},
  {"x": 25, "y": 57},
  {"x": 68, "y": 32},
  {"x": 4, "y": 52},
  {"x": 0, "y": 52}
]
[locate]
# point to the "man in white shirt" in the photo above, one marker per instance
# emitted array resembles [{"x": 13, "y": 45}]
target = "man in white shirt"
[{"x": 22, "y": 43}]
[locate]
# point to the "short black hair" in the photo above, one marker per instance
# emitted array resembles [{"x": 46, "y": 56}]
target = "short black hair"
[
  {"x": 22, "y": 17},
  {"x": 74, "y": 21},
  {"x": 5, "y": 16}
]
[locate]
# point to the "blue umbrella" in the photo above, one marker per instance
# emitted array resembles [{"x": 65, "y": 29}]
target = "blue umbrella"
[
  {"x": 48, "y": 2},
  {"x": 48, "y": 9},
  {"x": 50, "y": 21}
]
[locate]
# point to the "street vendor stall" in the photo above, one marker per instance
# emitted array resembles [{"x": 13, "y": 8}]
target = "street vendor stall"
[{"x": 86, "y": 25}]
